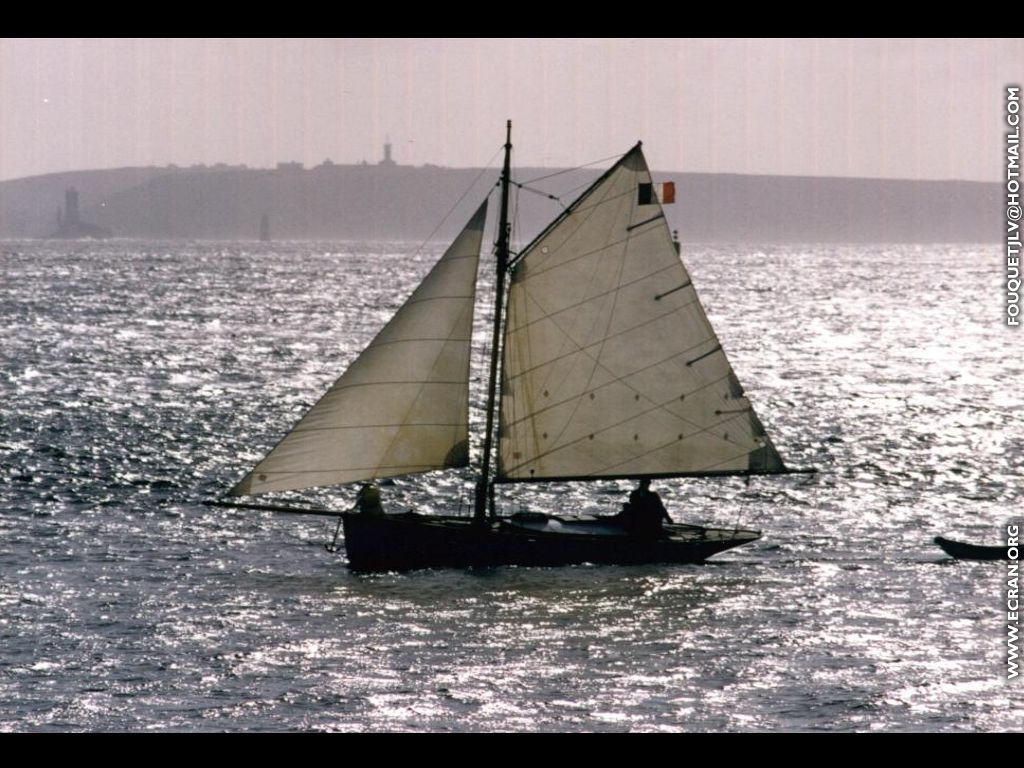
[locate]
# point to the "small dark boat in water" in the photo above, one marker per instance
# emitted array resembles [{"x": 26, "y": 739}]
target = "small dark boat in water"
[{"x": 962, "y": 551}]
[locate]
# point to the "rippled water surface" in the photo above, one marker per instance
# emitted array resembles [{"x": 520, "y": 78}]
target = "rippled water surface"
[{"x": 139, "y": 379}]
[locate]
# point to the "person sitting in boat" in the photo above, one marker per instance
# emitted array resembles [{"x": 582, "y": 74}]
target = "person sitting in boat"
[
  {"x": 644, "y": 513},
  {"x": 368, "y": 500}
]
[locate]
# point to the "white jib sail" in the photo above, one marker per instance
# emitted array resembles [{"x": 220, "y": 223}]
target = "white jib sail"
[
  {"x": 403, "y": 405},
  {"x": 611, "y": 368}
]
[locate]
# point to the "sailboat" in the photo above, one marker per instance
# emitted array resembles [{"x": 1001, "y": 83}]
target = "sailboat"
[{"x": 603, "y": 366}]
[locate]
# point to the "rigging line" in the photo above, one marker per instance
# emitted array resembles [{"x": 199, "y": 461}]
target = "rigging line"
[
  {"x": 393, "y": 382},
  {"x": 709, "y": 431},
  {"x": 580, "y": 200},
  {"x": 629, "y": 192},
  {"x": 430, "y": 424},
  {"x": 584, "y": 349},
  {"x": 707, "y": 468},
  {"x": 600, "y": 250},
  {"x": 657, "y": 406},
  {"x": 513, "y": 224},
  {"x": 274, "y": 508},
  {"x": 484, "y": 309},
  {"x": 500, "y": 370},
  {"x": 451, "y": 210},
  {"x": 610, "y": 196},
  {"x": 570, "y": 170},
  {"x": 602, "y": 294},
  {"x": 622, "y": 380},
  {"x": 739, "y": 511},
  {"x": 539, "y": 192},
  {"x": 623, "y": 332},
  {"x": 568, "y": 338},
  {"x": 598, "y": 364},
  {"x": 379, "y": 344},
  {"x": 589, "y": 209},
  {"x": 583, "y": 215},
  {"x": 407, "y": 468},
  {"x": 623, "y": 253},
  {"x": 640, "y": 456},
  {"x": 574, "y": 190},
  {"x": 557, "y": 198},
  {"x": 699, "y": 429},
  {"x": 495, "y": 223},
  {"x": 333, "y": 546}
]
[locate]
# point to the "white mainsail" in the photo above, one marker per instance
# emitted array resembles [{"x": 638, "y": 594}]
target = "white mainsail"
[
  {"x": 403, "y": 405},
  {"x": 610, "y": 367}
]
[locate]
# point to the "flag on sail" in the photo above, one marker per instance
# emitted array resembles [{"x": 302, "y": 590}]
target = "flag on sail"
[
  {"x": 664, "y": 193},
  {"x": 403, "y": 405},
  {"x": 611, "y": 368}
]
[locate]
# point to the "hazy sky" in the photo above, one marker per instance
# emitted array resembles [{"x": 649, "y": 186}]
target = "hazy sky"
[{"x": 927, "y": 109}]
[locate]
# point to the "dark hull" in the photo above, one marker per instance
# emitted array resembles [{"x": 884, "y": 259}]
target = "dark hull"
[
  {"x": 963, "y": 551},
  {"x": 409, "y": 541}
]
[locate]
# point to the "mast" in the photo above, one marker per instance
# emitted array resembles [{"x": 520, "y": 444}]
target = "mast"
[{"x": 484, "y": 486}]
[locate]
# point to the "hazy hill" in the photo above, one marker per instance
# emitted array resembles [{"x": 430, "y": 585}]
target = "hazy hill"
[
  {"x": 404, "y": 202},
  {"x": 28, "y": 207}
]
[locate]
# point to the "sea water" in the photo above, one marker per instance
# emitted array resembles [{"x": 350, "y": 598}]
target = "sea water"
[{"x": 140, "y": 379}]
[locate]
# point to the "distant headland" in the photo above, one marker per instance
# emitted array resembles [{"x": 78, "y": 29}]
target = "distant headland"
[{"x": 387, "y": 200}]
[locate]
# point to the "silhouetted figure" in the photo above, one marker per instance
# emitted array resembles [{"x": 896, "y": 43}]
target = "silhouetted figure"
[
  {"x": 368, "y": 500},
  {"x": 643, "y": 515}
]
